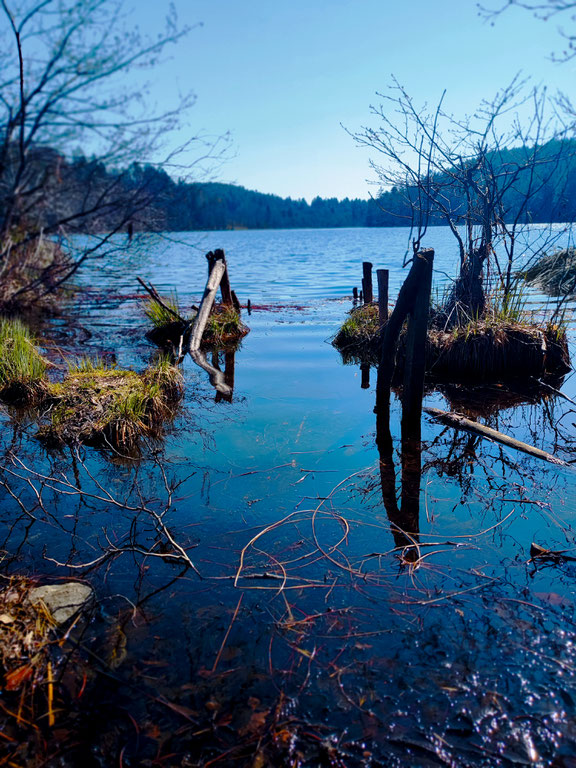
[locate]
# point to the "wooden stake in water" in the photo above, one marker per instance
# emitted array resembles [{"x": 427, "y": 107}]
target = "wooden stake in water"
[
  {"x": 382, "y": 278},
  {"x": 367, "y": 289}
]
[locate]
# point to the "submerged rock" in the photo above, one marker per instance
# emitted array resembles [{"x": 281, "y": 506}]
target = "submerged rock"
[{"x": 63, "y": 601}]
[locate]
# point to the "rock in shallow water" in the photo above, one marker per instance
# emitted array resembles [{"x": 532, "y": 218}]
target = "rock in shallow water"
[{"x": 62, "y": 600}]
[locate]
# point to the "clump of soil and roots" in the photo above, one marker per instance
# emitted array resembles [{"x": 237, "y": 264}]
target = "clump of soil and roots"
[
  {"x": 555, "y": 273},
  {"x": 500, "y": 345},
  {"x": 101, "y": 405},
  {"x": 95, "y": 403},
  {"x": 171, "y": 330}
]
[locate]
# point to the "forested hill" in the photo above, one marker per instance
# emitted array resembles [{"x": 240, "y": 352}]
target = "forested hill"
[
  {"x": 181, "y": 206},
  {"x": 90, "y": 197},
  {"x": 227, "y": 206}
]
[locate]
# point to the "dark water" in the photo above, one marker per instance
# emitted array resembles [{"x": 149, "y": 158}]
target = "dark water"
[{"x": 314, "y": 636}]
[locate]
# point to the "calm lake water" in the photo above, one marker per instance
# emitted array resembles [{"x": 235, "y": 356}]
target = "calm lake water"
[{"x": 309, "y": 639}]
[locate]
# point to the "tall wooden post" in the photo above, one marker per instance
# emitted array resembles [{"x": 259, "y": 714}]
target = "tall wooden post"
[
  {"x": 415, "y": 362},
  {"x": 382, "y": 277},
  {"x": 225, "y": 289},
  {"x": 408, "y": 297},
  {"x": 367, "y": 282}
]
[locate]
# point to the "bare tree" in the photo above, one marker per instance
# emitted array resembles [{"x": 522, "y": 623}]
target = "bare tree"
[
  {"x": 71, "y": 78},
  {"x": 546, "y": 10},
  {"x": 478, "y": 175}
]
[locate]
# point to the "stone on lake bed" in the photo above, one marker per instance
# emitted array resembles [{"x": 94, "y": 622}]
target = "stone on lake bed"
[{"x": 63, "y": 601}]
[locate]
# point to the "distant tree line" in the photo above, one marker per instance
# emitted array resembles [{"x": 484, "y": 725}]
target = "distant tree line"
[{"x": 148, "y": 198}]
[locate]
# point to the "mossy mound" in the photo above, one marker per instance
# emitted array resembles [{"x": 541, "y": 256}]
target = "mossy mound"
[
  {"x": 488, "y": 350},
  {"x": 224, "y": 328},
  {"x": 555, "y": 272},
  {"x": 22, "y": 367},
  {"x": 110, "y": 407},
  {"x": 95, "y": 403},
  {"x": 359, "y": 337}
]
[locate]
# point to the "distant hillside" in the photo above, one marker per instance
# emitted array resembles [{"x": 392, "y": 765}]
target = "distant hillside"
[
  {"x": 90, "y": 197},
  {"x": 227, "y": 206}
]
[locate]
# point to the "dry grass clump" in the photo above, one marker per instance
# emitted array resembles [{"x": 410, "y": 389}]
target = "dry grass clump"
[
  {"x": 32, "y": 270},
  {"x": 106, "y": 406},
  {"x": 555, "y": 272},
  {"x": 506, "y": 343},
  {"x": 26, "y": 658},
  {"x": 224, "y": 326},
  {"x": 22, "y": 367},
  {"x": 359, "y": 336},
  {"x": 34, "y": 657}
]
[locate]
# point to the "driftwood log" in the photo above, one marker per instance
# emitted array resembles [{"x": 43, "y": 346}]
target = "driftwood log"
[
  {"x": 218, "y": 268},
  {"x": 460, "y": 422}
]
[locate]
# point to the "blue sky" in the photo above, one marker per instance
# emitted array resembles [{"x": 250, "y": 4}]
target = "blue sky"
[{"x": 283, "y": 76}]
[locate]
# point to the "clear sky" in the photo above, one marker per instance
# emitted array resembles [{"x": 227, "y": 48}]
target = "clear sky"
[{"x": 283, "y": 76}]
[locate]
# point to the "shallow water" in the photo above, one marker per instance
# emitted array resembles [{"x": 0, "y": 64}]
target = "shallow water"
[{"x": 311, "y": 638}]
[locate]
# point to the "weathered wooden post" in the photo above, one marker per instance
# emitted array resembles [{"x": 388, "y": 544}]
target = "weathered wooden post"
[
  {"x": 355, "y": 293},
  {"x": 217, "y": 267},
  {"x": 367, "y": 282},
  {"x": 409, "y": 296},
  {"x": 415, "y": 362},
  {"x": 382, "y": 277},
  {"x": 225, "y": 289}
]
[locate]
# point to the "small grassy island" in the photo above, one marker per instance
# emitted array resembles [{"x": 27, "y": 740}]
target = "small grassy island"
[
  {"x": 224, "y": 327},
  {"x": 493, "y": 348},
  {"x": 94, "y": 403}
]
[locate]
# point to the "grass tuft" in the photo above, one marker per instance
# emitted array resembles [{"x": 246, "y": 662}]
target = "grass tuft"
[
  {"x": 361, "y": 327},
  {"x": 22, "y": 367},
  {"x": 158, "y": 315},
  {"x": 103, "y": 405},
  {"x": 224, "y": 326}
]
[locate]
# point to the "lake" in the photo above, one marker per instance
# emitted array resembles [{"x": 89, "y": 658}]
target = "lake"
[{"x": 311, "y": 636}]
